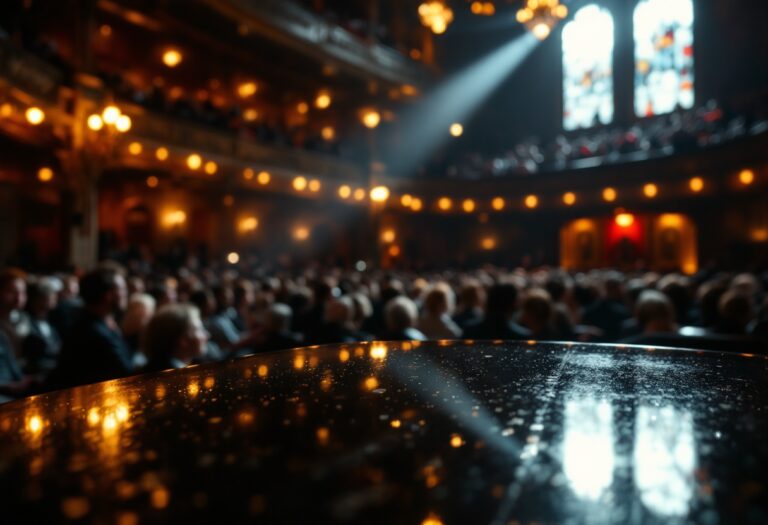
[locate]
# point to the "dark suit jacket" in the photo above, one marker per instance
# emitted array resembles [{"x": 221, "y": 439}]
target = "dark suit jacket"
[
  {"x": 10, "y": 371},
  {"x": 92, "y": 352}
]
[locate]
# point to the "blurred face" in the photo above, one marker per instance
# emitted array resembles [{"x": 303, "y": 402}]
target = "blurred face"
[
  {"x": 120, "y": 294},
  {"x": 14, "y": 295},
  {"x": 193, "y": 344}
]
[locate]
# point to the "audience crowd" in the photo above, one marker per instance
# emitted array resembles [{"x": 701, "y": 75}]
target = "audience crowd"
[
  {"x": 680, "y": 132},
  {"x": 64, "y": 330}
]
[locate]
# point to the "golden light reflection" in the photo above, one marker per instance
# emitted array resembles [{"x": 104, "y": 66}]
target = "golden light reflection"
[
  {"x": 35, "y": 116},
  {"x": 650, "y": 190},
  {"x": 379, "y": 194},
  {"x": 416, "y": 204},
  {"x": 747, "y": 177},
  {"x": 298, "y": 362},
  {"x": 359, "y": 194},
  {"x": 609, "y": 194},
  {"x": 345, "y": 191},
  {"x": 45, "y": 174},
  {"x": 194, "y": 161},
  {"x": 34, "y": 425},
  {"x": 344, "y": 356},
  {"x": 193, "y": 388},
  {"x": 388, "y": 235},
  {"x": 531, "y": 201},
  {"x": 263, "y": 370},
  {"x": 209, "y": 382},
  {"x": 314, "y": 185},
  {"x": 174, "y": 218},
  {"x": 468, "y": 205},
  {"x": 378, "y": 351},
  {"x": 172, "y": 57},
  {"x": 498, "y": 203},
  {"x": 300, "y": 183},
  {"x": 395, "y": 423},
  {"x": 135, "y": 148},
  {"x": 248, "y": 224},
  {"x": 371, "y": 383},
  {"x": 444, "y": 203},
  {"x": 211, "y": 167},
  {"x": 696, "y": 184},
  {"x": 323, "y": 435},
  {"x": 456, "y": 441},
  {"x": 432, "y": 519},
  {"x": 569, "y": 198},
  {"x": 95, "y": 122}
]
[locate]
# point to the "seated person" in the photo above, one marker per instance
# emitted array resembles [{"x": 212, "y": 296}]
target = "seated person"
[
  {"x": 400, "y": 316},
  {"x": 537, "y": 315},
  {"x": 277, "y": 330},
  {"x": 339, "y": 324},
  {"x": 174, "y": 337},
  {"x": 498, "y": 322},
  {"x": 41, "y": 346},
  {"x": 655, "y": 315},
  {"x": 436, "y": 322},
  {"x": 95, "y": 349}
]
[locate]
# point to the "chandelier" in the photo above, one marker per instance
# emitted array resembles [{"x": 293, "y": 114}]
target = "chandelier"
[
  {"x": 436, "y": 16},
  {"x": 540, "y": 16}
]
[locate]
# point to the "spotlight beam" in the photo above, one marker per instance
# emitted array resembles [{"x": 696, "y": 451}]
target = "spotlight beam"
[{"x": 425, "y": 126}]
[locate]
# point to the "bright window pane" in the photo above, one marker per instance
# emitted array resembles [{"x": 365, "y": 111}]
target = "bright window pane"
[
  {"x": 663, "y": 56},
  {"x": 587, "y": 68}
]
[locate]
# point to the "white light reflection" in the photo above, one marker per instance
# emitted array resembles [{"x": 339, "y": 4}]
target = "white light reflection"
[
  {"x": 588, "y": 454},
  {"x": 664, "y": 459}
]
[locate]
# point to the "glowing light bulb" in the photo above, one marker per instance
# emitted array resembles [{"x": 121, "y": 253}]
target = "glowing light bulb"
[
  {"x": 95, "y": 122},
  {"x": 35, "y": 116},
  {"x": 172, "y": 57},
  {"x": 379, "y": 194}
]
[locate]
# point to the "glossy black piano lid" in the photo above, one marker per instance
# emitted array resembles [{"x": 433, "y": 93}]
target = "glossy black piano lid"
[{"x": 402, "y": 433}]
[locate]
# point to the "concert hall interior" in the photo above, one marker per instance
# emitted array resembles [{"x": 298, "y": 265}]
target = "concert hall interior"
[{"x": 415, "y": 196}]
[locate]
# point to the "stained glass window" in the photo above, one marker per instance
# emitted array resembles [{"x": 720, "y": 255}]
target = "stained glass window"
[
  {"x": 587, "y": 68},
  {"x": 663, "y": 56}
]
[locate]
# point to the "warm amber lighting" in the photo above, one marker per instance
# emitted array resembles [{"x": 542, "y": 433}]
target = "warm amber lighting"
[
  {"x": 248, "y": 224},
  {"x": 135, "y": 148},
  {"x": 378, "y": 351},
  {"x": 194, "y": 161},
  {"x": 435, "y": 15},
  {"x": 228, "y": 200},
  {"x": 263, "y": 371},
  {"x": 35, "y": 116},
  {"x": 300, "y": 183},
  {"x": 248, "y": 174},
  {"x": 696, "y": 184},
  {"x": 323, "y": 100},
  {"x": 540, "y": 16},
  {"x": 531, "y": 201},
  {"x": 250, "y": 115},
  {"x": 541, "y": 31},
  {"x": 314, "y": 185},
  {"x": 406, "y": 200},
  {"x": 671, "y": 220},
  {"x": 6, "y": 110},
  {"x": 456, "y": 441},
  {"x": 650, "y": 190},
  {"x": 488, "y": 243},
  {"x": 247, "y": 89},
  {"x": 388, "y": 236},
  {"x": 498, "y": 203},
  {"x": 323, "y": 434},
  {"x": 395, "y": 423},
  {"x": 625, "y": 220},
  {"x": 379, "y": 194},
  {"x": 95, "y": 122},
  {"x": 328, "y": 133},
  {"x": 371, "y": 383},
  {"x": 457, "y": 130},
  {"x": 569, "y": 198},
  {"x": 432, "y": 519},
  {"x": 110, "y": 115},
  {"x": 153, "y": 181},
  {"x": 302, "y": 108},
  {"x": 123, "y": 123},
  {"x": 35, "y": 424},
  {"x": 416, "y": 204},
  {"x": 172, "y": 57},
  {"x": 344, "y": 356},
  {"x": 161, "y": 153},
  {"x": 174, "y": 218},
  {"x": 233, "y": 258},
  {"x": 264, "y": 178},
  {"x": 468, "y": 205},
  {"x": 747, "y": 177},
  {"x": 301, "y": 233},
  {"x": 359, "y": 194},
  {"x": 609, "y": 195},
  {"x": 371, "y": 119},
  {"x": 345, "y": 191},
  {"x": 45, "y": 174},
  {"x": 759, "y": 235},
  {"x": 444, "y": 203},
  {"x": 394, "y": 251}
]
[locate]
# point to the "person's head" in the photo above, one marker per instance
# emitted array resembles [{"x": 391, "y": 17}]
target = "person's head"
[
  {"x": 655, "y": 312},
  {"x": 400, "y": 314},
  {"x": 41, "y": 298},
  {"x": 136, "y": 285},
  {"x": 204, "y": 301},
  {"x": 13, "y": 290},
  {"x": 439, "y": 299},
  {"x": 70, "y": 287},
  {"x": 339, "y": 311},
  {"x": 736, "y": 311},
  {"x": 278, "y": 318},
  {"x": 175, "y": 332},
  {"x": 363, "y": 308},
  {"x": 244, "y": 294},
  {"x": 224, "y": 297},
  {"x": 502, "y": 301},
  {"x": 614, "y": 286},
  {"x": 536, "y": 311},
  {"x": 471, "y": 296},
  {"x": 141, "y": 308},
  {"x": 104, "y": 290}
]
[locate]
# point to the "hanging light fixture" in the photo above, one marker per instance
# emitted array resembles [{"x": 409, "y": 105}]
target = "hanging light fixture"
[
  {"x": 540, "y": 16},
  {"x": 436, "y": 16}
]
